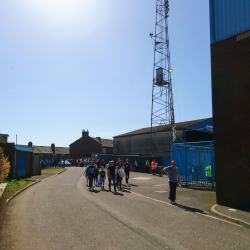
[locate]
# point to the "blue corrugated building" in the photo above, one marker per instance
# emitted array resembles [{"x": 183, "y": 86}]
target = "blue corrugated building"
[
  {"x": 230, "y": 66},
  {"x": 228, "y": 18}
]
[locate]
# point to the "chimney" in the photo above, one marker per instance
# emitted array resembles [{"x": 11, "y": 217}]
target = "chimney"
[{"x": 85, "y": 133}]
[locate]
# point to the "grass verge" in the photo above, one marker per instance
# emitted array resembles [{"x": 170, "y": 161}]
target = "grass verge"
[
  {"x": 52, "y": 169},
  {"x": 15, "y": 186}
]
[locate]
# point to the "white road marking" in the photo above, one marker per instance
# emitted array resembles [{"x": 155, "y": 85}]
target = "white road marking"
[
  {"x": 161, "y": 192},
  {"x": 142, "y": 178},
  {"x": 161, "y": 185},
  {"x": 215, "y": 218}
]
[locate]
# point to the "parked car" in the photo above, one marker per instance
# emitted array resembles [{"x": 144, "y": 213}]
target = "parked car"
[{"x": 67, "y": 164}]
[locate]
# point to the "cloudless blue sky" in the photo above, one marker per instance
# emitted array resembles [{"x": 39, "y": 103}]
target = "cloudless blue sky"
[{"x": 68, "y": 65}]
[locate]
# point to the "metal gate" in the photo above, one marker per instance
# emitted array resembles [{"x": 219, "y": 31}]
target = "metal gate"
[
  {"x": 195, "y": 161},
  {"x": 22, "y": 165}
]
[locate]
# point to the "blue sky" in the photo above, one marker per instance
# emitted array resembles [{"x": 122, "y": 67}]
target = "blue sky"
[{"x": 70, "y": 65}]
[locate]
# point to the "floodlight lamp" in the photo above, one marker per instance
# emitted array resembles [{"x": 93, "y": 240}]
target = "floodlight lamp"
[{"x": 170, "y": 70}]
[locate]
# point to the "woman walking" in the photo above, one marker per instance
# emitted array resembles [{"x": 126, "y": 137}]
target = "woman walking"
[{"x": 119, "y": 175}]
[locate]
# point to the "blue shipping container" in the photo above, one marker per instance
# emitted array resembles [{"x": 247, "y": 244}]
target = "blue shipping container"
[{"x": 228, "y": 18}]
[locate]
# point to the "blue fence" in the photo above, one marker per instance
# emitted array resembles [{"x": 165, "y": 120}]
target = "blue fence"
[{"x": 193, "y": 160}]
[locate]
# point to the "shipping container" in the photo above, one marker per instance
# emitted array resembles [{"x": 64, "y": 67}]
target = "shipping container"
[{"x": 228, "y": 18}]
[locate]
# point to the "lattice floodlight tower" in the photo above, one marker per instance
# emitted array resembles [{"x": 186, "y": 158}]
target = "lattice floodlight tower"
[{"x": 162, "y": 110}]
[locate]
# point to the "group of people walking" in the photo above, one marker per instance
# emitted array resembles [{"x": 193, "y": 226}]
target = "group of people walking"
[
  {"x": 83, "y": 162},
  {"x": 115, "y": 172}
]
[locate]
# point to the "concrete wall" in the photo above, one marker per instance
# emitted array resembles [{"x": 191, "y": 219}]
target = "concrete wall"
[
  {"x": 140, "y": 144},
  {"x": 230, "y": 61}
]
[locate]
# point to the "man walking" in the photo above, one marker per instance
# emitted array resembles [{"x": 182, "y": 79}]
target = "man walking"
[
  {"x": 91, "y": 172},
  {"x": 111, "y": 175},
  {"x": 127, "y": 168},
  {"x": 173, "y": 173}
]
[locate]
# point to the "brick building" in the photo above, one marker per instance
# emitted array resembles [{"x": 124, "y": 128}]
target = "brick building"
[
  {"x": 230, "y": 66},
  {"x": 87, "y": 145}
]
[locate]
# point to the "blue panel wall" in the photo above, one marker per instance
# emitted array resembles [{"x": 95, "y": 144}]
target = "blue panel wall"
[
  {"x": 228, "y": 18},
  {"x": 206, "y": 126}
]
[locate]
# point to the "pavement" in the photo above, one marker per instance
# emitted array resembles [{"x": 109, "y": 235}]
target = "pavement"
[
  {"x": 202, "y": 200},
  {"x": 193, "y": 199},
  {"x": 46, "y": 173}
]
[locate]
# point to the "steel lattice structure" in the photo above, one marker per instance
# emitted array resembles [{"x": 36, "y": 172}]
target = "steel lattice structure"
[{"x": 162, "y": 109}]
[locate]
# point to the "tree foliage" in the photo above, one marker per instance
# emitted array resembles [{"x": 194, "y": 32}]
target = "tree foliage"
[{"x": 4, "y": 166}]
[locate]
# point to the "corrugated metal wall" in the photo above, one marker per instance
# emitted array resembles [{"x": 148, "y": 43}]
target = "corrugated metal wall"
[{"x": 228, "y": 18}]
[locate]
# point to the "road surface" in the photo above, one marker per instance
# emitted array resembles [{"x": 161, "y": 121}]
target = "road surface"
[{"x": 61, "y": 213}]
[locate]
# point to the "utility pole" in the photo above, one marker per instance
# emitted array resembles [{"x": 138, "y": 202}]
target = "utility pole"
[
  {"x": 16, "y": 139},
  {"x": 162, "y": 109}
]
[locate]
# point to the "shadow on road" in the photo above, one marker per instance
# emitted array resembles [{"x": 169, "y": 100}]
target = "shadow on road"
[
  {"x": 117, "y": 193},
  {"x": 131, "y": 185},
  {"x": 94, "y": 191},
  {"x": 190, "y": 209}
]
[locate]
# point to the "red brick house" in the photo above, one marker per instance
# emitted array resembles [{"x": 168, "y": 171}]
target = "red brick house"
[{"x": 86, "y": 145}]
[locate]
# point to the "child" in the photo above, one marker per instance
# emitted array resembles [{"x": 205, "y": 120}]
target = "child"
[{"x": 102, "y": 176}]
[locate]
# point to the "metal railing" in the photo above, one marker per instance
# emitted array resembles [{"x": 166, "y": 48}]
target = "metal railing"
[{"x": 193, "y": 160}]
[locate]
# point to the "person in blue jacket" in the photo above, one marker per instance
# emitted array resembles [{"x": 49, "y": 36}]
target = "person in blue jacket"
[{"x": 91, "y": 172}]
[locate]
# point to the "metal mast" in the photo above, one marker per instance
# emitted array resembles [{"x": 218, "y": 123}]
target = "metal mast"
[{"x": 162, "y": 109}]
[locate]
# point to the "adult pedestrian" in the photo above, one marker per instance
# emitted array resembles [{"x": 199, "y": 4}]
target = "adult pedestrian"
[
  {"x": 135, "y": 165},
  {"x": 208, "y": 173},
  {"x": 118, "y": 161},
  {"x": 119, "y": 175},
  {"x": 172, "y": 172},
  {"x": 86, "y": 176},
  {"x": 103, "y": 162},
  {"x": 111, "y": 174},
  {"x": 98, "y": 162},
  {"x": 147, "y": 165},
  {"x": 107, "y": 167},
  {"x": 90, "y": 172},
  {"x": 79, "y": 162},
  {"x": 96, "y": 175},
  {"x": 153, "y": 167},
  {"x": 127, "y": 168}
]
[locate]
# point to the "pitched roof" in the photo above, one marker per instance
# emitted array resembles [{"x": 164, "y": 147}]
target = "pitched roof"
[
  {"x": 163, "y": 128},
  {"x": 48, "y": 150},
  {"x": 107, "y": 143}
]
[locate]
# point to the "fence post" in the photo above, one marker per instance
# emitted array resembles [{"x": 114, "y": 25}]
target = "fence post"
[
  {"x": 185, "y": 161},
  {"x": 212, "y": 164}
]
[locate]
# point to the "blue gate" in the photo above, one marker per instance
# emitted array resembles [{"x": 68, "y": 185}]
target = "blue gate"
[
  {"x": 193, "y": 160},
  {"x": 22, "y": 165}
]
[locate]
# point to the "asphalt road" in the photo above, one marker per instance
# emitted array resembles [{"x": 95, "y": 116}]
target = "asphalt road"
[{"x": 61, "y": 213}]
